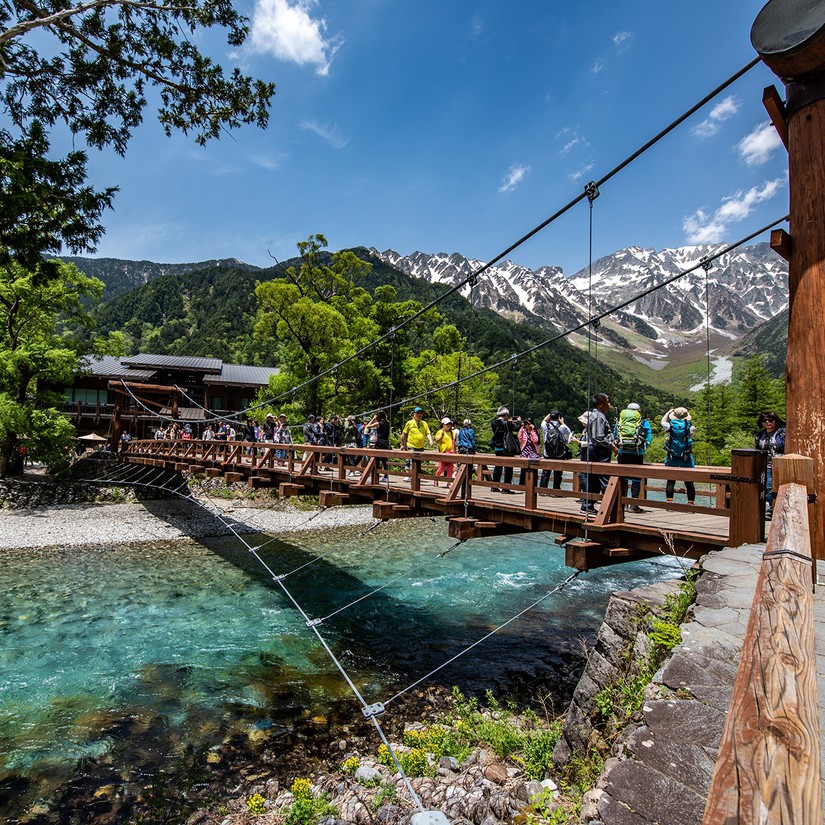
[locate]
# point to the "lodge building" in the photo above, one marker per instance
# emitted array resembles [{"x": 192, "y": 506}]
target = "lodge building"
[{"x": 144, "y": 390}]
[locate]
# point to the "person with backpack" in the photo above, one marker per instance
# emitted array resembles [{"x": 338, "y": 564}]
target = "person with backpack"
[
  {"x": 633, "y": 433},
  {"x": 504, "y": 443},
  {"x": 466, "y": 441},
  {"x": 771, "y": 440},
  {"x": 679, "y": 448},
  {"x": 600, "y": 447},
  {"x": 555, "y": 439}
]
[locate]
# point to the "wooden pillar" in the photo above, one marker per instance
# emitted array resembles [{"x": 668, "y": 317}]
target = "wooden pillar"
[
  {"x": 114, "y": 443},
  {"x": 790, "y": 37},
  {"x": 747, "y": 506}
]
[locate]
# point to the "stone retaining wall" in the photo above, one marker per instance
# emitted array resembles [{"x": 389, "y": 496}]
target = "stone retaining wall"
[{"x": 660, "y": 765}]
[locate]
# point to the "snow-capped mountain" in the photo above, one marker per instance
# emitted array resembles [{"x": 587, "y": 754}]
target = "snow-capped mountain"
[{"x": 745, "y": 288}]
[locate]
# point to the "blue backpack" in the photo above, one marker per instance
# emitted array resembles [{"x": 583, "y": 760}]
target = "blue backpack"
[{"x": 679, "y": 443}]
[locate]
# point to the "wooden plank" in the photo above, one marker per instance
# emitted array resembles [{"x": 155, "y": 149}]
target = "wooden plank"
[
  {"x": 768, "y": 768},
  {"x": 327, "y": 498},
  {"x": 775, "y": 107},
  {"x": 747, "y": 507},
  {"x": 456, "y": 488},
  {"x": 611, "y": 510}
]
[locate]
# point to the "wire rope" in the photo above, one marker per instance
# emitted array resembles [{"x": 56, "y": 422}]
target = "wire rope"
[
  {"x": 467, "y": 649},
  {"x": 501, "y": 255},
  {"x": 405, "y": 575},
  {"x": 369, "y": 711},
  {"x": 583, "y": 324},
  {"x": 708, "y": 429}
]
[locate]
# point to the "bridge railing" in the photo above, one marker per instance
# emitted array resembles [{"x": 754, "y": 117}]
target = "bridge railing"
[
  {"x": 736, "y": 493},
  {"x": 768, "y": 766}
]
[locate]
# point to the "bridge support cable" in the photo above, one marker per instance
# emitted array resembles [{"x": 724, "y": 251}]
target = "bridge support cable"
[
  {"x": 543, "y": 225},
  {"x": 484, "y": 638},
  {"x": 369, "y": 711},
  {"x": 596, "y": 318},
  {"x": 707, "y": 266}
]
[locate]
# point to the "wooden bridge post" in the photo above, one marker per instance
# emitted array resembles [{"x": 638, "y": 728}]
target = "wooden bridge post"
[
  {"x": 768, "y": 767},
  {"x": 747, "y": 506},
  {"x": 790, "y": 38}
]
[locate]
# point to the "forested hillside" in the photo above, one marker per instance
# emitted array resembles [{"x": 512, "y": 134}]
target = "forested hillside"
[
  {"x": 770, "y": 340},
  {"x": 212, "y": 312}
]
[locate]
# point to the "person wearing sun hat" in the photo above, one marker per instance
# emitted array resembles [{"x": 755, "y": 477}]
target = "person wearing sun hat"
[
  {"x": 445, "y": 441},
  {"x": 679, "y": 446}
]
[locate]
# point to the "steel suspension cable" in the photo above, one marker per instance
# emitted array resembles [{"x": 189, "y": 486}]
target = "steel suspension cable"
[
  {"x": 467, "y": 649},
  {"x": 369, "y": 711},
  {"x": 609, "y": 311},
  {"x": 544, "y": 224}
]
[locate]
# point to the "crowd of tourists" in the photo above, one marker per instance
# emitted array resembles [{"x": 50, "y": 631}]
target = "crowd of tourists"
[{"x": 596, "y": 441}]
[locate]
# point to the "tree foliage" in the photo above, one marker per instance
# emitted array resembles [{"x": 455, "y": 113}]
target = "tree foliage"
[
  {"x": 91, "y": 65},
  {"x": 35, "y": 351},
  {"x": 45, "y": 205}
]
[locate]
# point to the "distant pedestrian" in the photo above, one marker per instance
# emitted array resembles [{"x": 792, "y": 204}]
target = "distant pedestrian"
[
  {"x": 310, "y": 433},
  {"x": 771, "y": 440},
  {"x": 268, "y": 428},
  {"x": 504, "y": 443},
  {"x": 555, "y": 440},
  {"x": 679, "y": 448},
  {"x": 281, "y": 434},
  {"x": 415, "y": 435},
  {"x": 530, "y": 443},
  {"x": 466, "y": 441},
  {"x": 380, "y": 426},
  {"x": 600, "y": 447}
]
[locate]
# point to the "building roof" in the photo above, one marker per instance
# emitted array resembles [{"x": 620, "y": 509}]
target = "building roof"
[
  {"x": 186, "y": 413},
  {"x": 107, "y": 366},
  {"x": 181, "y": 362},
  {"x": 137, "y": 367},
  {"x": 242, "y": 375}
]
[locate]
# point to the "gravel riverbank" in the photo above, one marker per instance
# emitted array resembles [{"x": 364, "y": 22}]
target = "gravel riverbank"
[{"x": 161, "y": 520}]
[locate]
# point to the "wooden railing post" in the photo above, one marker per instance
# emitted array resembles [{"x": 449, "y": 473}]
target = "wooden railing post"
[
  {"x": 529, "y": 488},
  {"x": 768, "y": 767},
  {"x": 747, "y": 504}
]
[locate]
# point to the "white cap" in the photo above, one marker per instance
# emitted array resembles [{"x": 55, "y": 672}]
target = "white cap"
[
  {"x": 446, "y": 420},
  {"x": 633, "y": 406}
]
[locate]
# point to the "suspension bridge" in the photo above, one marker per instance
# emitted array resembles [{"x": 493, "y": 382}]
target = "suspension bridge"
[{"x": 790, "y": 38}]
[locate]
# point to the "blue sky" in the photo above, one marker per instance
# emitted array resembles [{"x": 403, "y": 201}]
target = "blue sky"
[{"x": 457, "y": 127}]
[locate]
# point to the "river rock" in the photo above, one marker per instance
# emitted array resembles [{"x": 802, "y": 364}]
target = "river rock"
[
  {"x": 365, "y": 773},
  {"x": 496, "y": 772},
  {"x": 448, "y": 762}
]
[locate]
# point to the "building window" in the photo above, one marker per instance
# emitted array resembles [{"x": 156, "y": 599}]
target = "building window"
[
  {"x": 79, "y": 395},
  {"x": 216, "y": 402}
]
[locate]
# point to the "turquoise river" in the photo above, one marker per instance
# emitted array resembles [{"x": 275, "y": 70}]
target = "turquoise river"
[{"x": 123, "y": 657}]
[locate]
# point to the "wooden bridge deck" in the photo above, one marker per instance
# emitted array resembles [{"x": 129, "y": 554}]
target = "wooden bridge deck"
[{"x": 729, "y": 511}]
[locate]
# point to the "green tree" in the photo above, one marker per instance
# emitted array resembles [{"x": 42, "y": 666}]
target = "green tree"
[
  {"x": 757, "y": 392},
  {"x": 92, "y": 64},
  {"x": 45, "y": 205},
  {"x": 35, "y": 352}
]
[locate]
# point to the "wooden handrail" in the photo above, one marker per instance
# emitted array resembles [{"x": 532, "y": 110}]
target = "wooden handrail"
[{"x": 768, "y": 767}]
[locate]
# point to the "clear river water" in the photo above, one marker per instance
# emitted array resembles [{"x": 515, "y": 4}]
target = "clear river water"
[{"x": 107, "y": 655}]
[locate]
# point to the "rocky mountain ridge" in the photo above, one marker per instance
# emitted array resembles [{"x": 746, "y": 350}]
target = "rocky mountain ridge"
[{"x": 745, "y": 287}]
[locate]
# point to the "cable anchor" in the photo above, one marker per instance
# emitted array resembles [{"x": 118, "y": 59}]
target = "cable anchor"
[
  {"x": 472, "y": 280},
  {"x": 314, "y": 622},
  {"x": 707, "y": 263},
  {"x": 595, "y": 323},
  {"x": 592, "y": 191},
  {"x": 371, "y": 711}
]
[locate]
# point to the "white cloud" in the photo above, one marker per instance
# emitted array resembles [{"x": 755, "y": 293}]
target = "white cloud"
[
  {"x": 702, "y": 227},
  {"x": 514, "y": 177},
  {"x": 570, "y": 144},
  {"x": 476, "y": 26},
  {"x": 269, "y": 161},
  {"x": 723, "y": 110},
  {"x": 597, "y": 66},
  {"x": 329, "y": 132},
  {"x": 580, "y": 173},
  {"x": 757, "y": 147},
  {"x": 621, "y": 40},
  {"x": 289, "y": 32}
]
